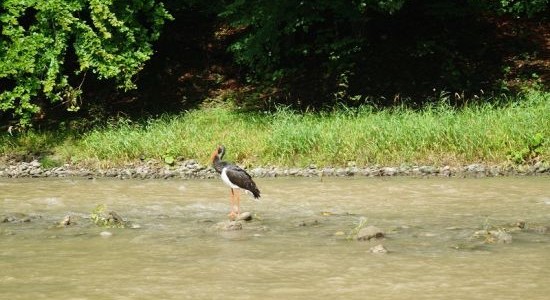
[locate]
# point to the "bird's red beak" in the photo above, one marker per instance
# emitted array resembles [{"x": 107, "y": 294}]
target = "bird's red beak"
[
  {"x": 213, "y": 156},
  {"x": 215, "y": 153}
]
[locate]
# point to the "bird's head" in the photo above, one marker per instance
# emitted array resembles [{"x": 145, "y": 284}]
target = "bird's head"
[{"x": 218, "y": 153}]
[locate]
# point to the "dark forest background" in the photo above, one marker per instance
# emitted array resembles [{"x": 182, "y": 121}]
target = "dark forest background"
[{"x": 92, "y": 60}]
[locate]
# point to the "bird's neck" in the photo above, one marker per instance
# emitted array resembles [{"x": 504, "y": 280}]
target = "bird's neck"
[{"x": 218, "y": 164}]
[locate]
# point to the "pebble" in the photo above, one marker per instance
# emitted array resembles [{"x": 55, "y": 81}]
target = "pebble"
[{"x": 106, "y": 234}]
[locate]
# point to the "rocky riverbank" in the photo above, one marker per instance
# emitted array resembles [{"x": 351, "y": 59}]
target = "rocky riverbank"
[{"x": 193, "y": 169}]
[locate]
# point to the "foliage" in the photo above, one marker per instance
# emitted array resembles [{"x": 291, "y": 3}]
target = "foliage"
[
  {"x": 518, "y": 7},
  {"x": 47, "y": 48},
  {"x": 435, "y": 135},
  {"x": 531, "y": 152}
]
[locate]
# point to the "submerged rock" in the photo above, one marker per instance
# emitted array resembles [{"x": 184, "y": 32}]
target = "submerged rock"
[
  {"x": 305, "y": 223},
  {"x": 229, "y": 225},
  {"x": 18, "y": 218},
  {"x": 106, "y": 234},
  {"x": 500, "y": 236},
  {"x": 135, "y": 226},
  {"x": 370, "y": 232},
  {"x": 378, "y": 249}
]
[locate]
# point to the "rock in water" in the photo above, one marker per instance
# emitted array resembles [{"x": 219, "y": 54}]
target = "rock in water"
[
  {"x": 17, "y": 218},
  {"x": 378, "y": 249},
  {"x": 68, "y": 220},
  {"x": 501, "y": 237},
  {"x": 115, "y": 218},
  {"x": 105, "y": 234},
  {"x": 230, "y": 226},
  {"x": 369, "y": 232},
  {"x": 245, "y": 216}
]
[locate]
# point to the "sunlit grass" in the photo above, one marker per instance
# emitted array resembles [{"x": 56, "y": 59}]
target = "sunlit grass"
[{"x": 436, "y": 135}]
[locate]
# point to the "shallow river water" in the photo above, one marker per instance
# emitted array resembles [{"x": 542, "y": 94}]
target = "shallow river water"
[{"x": 298, "y": 246}]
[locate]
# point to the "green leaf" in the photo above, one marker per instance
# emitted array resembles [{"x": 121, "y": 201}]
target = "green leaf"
[{"x": 169, "y": 160}]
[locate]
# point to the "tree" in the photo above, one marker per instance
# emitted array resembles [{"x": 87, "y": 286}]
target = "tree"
[
  {"x": 282, "y": 36},
  {"x": 318, "y": 51},
  {"x": 47, "y": 48}
]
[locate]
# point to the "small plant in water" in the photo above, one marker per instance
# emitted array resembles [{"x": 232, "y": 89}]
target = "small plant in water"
[
  {"x": 108, "y": 220},
  {"x": 491, "y": 234},
  {"x": 360, "y": 224}
]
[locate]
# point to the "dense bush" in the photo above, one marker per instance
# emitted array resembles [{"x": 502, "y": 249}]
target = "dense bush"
[{"x": 48, "y": 48}]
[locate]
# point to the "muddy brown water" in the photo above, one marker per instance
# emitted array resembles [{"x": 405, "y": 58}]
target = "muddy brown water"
[{"x": 297, "y": 246}]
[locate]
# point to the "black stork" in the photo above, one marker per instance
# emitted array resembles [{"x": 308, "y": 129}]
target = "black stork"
[{"x": 236, "y": 178}]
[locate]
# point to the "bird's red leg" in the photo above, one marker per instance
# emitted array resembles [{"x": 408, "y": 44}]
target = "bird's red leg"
[
  {"x": 238, "y": 203},
  {"x": 232, "y": 213}
]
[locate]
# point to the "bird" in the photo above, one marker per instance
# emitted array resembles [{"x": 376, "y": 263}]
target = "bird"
[{"x": 236, "y": 178}]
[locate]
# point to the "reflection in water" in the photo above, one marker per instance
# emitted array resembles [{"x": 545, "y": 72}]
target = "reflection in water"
[{"x": 296, "y": 247}]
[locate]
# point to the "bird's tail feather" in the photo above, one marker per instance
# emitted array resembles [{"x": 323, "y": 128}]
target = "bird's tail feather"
[{"x": 255, "y": 193}]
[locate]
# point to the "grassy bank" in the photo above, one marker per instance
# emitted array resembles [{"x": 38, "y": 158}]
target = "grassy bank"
[{"x": 436, "y": 135}]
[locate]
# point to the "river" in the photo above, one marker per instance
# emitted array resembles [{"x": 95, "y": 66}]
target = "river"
[{"x": 299, "y": 245}]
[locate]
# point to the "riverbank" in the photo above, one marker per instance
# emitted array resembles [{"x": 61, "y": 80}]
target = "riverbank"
[
  {"x": 191, "y": 169},
  {"x": 499, "y": 134}
]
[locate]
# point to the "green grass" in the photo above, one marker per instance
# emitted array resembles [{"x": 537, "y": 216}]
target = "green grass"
[{"x": 435, "y": 135}]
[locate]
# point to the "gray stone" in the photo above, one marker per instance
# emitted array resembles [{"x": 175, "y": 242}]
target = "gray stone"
[
  {"x": 35, "y": 164},
  {"x": 427, "y": 170},
  {"x": 244, "y": 216},
  {"x": 389, "y": 171},
  {"x": 475, "y": 168},
  {"x": 445, "y": 171},
  {"x": 370, "y": 232},
  {"x": 35, "y": 172}
]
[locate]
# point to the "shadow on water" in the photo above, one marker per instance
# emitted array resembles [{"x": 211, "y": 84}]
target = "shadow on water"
[{"x": 446, "y": 238}]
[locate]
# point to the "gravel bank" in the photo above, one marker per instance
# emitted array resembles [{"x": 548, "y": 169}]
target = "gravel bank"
[{"x": 192, "y": 169}]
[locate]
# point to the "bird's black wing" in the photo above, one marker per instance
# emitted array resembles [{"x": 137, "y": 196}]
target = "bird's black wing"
[{"x": 242, "y": 179}]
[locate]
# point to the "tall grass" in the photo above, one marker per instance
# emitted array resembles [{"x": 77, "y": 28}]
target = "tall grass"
[{"x": 438, "y": 134}]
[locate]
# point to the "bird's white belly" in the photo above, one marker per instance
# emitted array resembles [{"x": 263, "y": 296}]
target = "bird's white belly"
[{"x": 226, "y": 180}]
